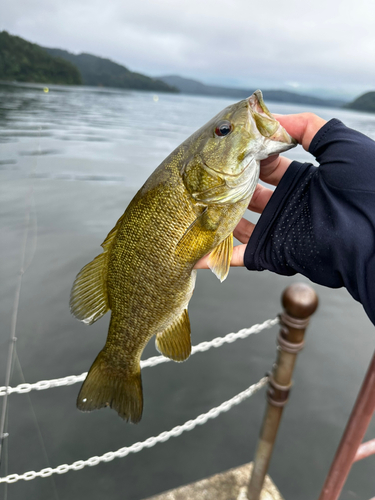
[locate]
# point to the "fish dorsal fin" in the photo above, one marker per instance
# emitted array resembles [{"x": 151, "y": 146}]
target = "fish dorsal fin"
[
  {"x": 88, "y": 298},
  {"x": 219, "y": 259},
  {"x": 174, "y": 342},
  {"x": 107, "y": 243}
]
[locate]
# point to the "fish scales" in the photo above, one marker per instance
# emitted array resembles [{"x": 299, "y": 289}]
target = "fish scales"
[{"x": 187, "y": 208}]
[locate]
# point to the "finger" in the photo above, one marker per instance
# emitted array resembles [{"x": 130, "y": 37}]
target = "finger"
[
  {"x": 236, "y": 261},
  {"x": 238, "y": 256},
  {"x": 260, "y": 199},
  {"x": 202, "y": 263},
  {"x": 302, "y": 126},
  {"x": 270, "y": 159},
  {"x": 273, "y": 168},
  {"x": 244, "y": 230}
]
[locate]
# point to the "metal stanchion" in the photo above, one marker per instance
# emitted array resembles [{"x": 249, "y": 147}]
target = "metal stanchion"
[
  {"x": 299, "y": 303},
  {"x": 349, "y": 449}
]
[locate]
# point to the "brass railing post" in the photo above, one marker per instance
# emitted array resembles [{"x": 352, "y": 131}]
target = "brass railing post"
[{"x": 299, "y": 303}]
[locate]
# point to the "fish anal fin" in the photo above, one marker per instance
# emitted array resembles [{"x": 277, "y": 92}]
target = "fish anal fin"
[
  {"x": 108, "y": 384},
  {"x": 219, "y": 259},
  {"x": 174, "y": 342}
]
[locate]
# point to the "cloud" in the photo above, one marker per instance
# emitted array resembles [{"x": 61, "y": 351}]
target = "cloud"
[{"x": 310, "y": 43}]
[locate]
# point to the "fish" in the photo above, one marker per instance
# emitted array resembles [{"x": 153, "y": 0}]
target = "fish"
[{"x": 145, "y": 275}]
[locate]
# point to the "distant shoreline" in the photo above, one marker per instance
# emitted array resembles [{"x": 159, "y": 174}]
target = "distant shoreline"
[
  {"x": 112, "y": 90},
  {"x": 25, "y": 63}
]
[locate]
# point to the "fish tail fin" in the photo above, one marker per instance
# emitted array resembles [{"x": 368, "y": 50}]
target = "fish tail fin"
[{"x": 113, "y": 384}]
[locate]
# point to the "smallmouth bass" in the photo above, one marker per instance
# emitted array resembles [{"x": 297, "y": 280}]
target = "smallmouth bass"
[{"x": 186, "y": 209}]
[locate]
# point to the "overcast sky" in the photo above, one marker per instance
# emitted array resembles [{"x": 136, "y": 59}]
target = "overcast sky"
[{"x": 304, "y": 45}]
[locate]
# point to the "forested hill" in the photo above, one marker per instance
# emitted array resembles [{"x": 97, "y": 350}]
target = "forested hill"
[
  {"x": 365, "y": 102},
  {"x": 23, "y": 61},
  {"x": 98, "y": 71}
]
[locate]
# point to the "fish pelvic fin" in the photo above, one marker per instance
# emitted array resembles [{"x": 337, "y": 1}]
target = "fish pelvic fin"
[
  {"x": 219, "y": 259},
  {"x": 175, "y": 342},
  {"x": 89, "y": 296},
  {"x": 113, "y": 385}
]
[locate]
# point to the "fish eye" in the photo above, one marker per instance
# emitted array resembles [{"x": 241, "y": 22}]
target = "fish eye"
[{"x": 223, "y": 128}]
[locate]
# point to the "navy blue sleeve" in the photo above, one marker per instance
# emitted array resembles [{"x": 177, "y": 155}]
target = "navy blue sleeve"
[{"x": 320, "y": 221}]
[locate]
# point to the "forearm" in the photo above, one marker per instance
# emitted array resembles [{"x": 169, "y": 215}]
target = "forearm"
[{"x": 320, "y": 222}]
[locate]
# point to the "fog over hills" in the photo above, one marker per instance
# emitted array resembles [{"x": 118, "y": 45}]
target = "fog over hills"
[{"x": 189, "y": 86}]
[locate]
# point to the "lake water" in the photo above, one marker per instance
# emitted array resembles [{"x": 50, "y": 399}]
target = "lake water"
[{"x": 71, "y": 160}]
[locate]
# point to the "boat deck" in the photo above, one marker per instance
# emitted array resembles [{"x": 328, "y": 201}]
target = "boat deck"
[{"x": 228, "y": 485}]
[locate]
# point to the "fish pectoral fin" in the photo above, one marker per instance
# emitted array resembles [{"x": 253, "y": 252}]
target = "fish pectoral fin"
[
  {"x": 174, "y": 342},
  {"x": 219, "y": 259},
  {"x": 191, "y": 232}
]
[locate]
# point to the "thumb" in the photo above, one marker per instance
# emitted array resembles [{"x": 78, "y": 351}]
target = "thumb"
[{"x": 302, "y": 126}]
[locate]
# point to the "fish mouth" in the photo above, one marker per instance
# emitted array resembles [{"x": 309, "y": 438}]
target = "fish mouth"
[{"x": 265, "y": 122}]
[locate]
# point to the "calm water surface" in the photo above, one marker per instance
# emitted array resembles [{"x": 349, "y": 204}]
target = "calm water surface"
[{"x": 70, "y": 161}]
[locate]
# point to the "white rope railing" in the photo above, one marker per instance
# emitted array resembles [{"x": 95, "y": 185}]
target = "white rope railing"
[
  {"x": 153, "y": 361},
  {"x": 136, "y": 447}
]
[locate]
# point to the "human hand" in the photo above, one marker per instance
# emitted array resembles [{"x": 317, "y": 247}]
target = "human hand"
[{"x": 302, "y": 127}]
